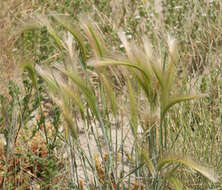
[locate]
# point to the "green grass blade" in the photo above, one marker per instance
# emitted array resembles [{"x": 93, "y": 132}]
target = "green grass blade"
[
  {"x": 133, "y": 104},
  {"x": 31, "y": 71},
  {"x": 91, "y": 99},
  {"x": 189, "y": 163},
  {"x": 123, "y": 63},
  {"x": 158, "y": 73},
  {"x": 44, "y": 21},
  {"x": 131, "y": 172},
  {"x": 110, "y": 94},
  {"x": 94, "y": 36},
  {"x": 169, "y": 77},
  {"x": 175, "y": 100},
  {"x": 145, "y": 157},
  {"x": 175, "y": 182},
  {"x": 75, "y": 97},
  {"x": 99, "y": 47},
  {"x": 36, "y": 23},
  {"x": 70, "y": 124},
  {"x": 47, "y": 77},
  {"x": 75, "y": 32},
  {"x": 145, "y": 86}
]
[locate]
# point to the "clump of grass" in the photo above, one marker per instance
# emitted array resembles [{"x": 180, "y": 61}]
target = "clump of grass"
[
  {"x": 161, "y": 97},
  {"x": 154, "y": 77},
  {"x": 147, "y": 106}
]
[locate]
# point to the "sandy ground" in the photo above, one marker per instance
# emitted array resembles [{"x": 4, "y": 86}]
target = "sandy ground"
[{"x": 88, "y": 142}]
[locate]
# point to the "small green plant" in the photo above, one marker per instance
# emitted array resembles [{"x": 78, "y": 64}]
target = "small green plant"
[{"x": 18, "y": 115}]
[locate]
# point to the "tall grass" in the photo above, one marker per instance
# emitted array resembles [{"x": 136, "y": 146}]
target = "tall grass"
[
  {"x": 151, "y": 154},
  {"x": 137, "y": 135}
]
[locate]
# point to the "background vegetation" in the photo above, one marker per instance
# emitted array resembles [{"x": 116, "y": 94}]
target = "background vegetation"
[{"x": 110, "y": 94}]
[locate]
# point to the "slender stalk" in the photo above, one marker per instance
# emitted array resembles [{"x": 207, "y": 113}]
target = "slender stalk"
[
  {"x": 23, "y": 113},
  {"x": 161, "y": 135}
]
